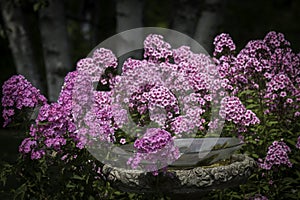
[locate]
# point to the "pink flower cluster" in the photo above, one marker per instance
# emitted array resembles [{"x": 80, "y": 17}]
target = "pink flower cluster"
[
  {"x": 152, "y": 99},
  {"x": 95, "y": 115},
  {"x": 172, "y": 87},
  {"x": 92, "y": 112},
  {"x": 19, "y": 93},
  {"x": 223, "y": 42},
  {"x": 298, "y": 143},
  {"x": 258, "y": 197},
  {"x": 88, "y": 66},
  {"x": 54, "y": 124},
  {"x": 155, "y": 48},
  {"x": 98, "y": 121},
  {"x": 158, "y": 139},
  {"x": 29, "y": 145},
  {"x": 280, "y": 91},
  {"x": 268, "y": 66},
  {"x": 155, "y": 150},
  {"x": 157, "y": 88},
  {"x": 185, "y": 124},
  {"x": 233, "y": 110},
  {"x": 65, "y": 96},
  {"x": 104, "y": 58},
  {"x": 276, "y": 40},
  {"x": 277, "y": 155},
  {"x": 190, "y": 79}
]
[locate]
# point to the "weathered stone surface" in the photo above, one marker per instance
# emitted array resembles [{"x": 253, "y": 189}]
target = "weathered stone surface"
[{"x": 183, "y": 181}]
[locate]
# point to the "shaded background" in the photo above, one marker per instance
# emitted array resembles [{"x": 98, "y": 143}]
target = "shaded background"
[{"x": 43, "y": 39}]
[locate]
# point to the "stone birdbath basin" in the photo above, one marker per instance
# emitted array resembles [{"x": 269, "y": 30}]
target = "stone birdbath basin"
[{"x": 205, "y": 164}]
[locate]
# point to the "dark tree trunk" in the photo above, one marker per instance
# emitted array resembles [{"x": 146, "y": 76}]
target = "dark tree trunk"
[
  {"x": 95, "y": 37},
  {"x": 55, "y": 46},
  {"x": 21, "y": 44},
  {"x": 90, "y": 13}
]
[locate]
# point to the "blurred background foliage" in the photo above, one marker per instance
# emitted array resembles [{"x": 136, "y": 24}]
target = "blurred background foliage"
[{"x": 243, "y": 20}]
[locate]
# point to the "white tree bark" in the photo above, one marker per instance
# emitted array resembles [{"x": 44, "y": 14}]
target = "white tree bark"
[
  {"x": 55, "y": 46},
  {"x": 17, "y": 31},
  {"x": 129, "y": 14},
  {"x": 208, "y": 24}
]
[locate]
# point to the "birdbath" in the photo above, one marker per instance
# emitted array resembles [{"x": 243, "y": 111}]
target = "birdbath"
[{"x": 191, "y": 176}]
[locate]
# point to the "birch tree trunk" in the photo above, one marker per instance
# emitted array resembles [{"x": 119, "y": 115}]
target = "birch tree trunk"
[
  {"x": 129, "y": 14},
  {"x": 185, "y": 16},
  {"x": 20, "y": 42},
  {"x": 208, "y": 24},
  {"x": 55, "y": 46}
]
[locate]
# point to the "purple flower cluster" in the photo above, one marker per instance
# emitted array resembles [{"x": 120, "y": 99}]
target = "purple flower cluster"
[
  {"x": 283, "y": 59},
  {"x": 19, "y": 93},
  {"x": 104, "y": 58},
  {"x": 233, "y": 110},
  {"x": 298, "y": 143},
  {"x": 258, "y": 197},
  {"x": 92, "y": 110},
  {"x": 189, "y": 62},
  {"x": 281, "y": 93},
  {"x": 152, "y": 141},
  {"x": 29, "y": 146},
  {"x": 155, "y": 87},
  {"x": 151, "y": 88},
  {"x": 155, "y": 48},
  {"x": 54, "y": 124},
  {"x": 155, "y": 149},
  {"x": 222, "y": 43},
  {"x": 65, "y": 96},
  {"x": 187, "y": 123},
  {"x": 133, "y": 64},
  {"x": 161, "y": 98},
  {"x": 98, "y": 120},
  {"x": 254, "y": 57},
  {"x": 88, "y": 66},
  {"x": 276, "y": 40},
  {"x": 268, "y": 66},
  {"x": 182, "y": 124},
  {"x": 95, "y": 66},
  {"x": 277, "y": 155}
]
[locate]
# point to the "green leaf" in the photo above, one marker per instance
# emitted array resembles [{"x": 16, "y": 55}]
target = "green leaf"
[
  {"x": 266, "y": 188},
  {"x": 38, "y": 176},
  {"x": 36, "y": 7},
  {"x": 20, "y": 192},
  {"x": 291, "y": 142},
  {"x": 75, "y": 176},
  {"x": 70, "y": 185},
  {"x": 251, "y": 106},
  {"x": 43, "y": 123},
  {"x": 254, "y": 155},
  {"x": 91, "y": 198}
]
